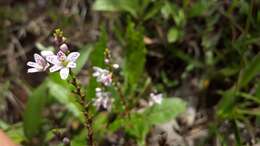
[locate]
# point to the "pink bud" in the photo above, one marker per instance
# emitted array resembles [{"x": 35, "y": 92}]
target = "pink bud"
[{"x": 64, "y": 48}]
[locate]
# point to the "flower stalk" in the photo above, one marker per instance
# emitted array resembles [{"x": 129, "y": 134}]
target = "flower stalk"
[{"x": 86, "y": 112}]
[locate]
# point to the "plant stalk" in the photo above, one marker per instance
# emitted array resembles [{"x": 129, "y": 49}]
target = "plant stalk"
[{"x": 88, "y": 118}]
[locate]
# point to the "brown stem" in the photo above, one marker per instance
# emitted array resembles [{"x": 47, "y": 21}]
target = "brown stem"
[{"x": 88, "y": 118}]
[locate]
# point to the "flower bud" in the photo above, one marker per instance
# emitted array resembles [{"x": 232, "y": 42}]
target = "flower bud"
[
  {"x": 64, "y": 48},
  {"x": 66, "y": 141},
  {"x": 115, "y": 66},
  {"x": 106, "y": 61}
]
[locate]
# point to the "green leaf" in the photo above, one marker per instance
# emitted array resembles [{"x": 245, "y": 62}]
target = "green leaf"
[
  {"x": 179, "y": 18},
  {"x": 97, "y": 56},
  {"x": 198, "y": 8},
  {"x": 4, "y": 125},
  {"x": 32, "y": 118},
  {"x": 106, "y": 5},
  {"x": 16, "y": 133},
  {"x": 135, "y": 53},
  {"x": 225, "y": 106},
  {"x": 250, "y": 71},
  {"x": 153, "y": 11},
  {"x": 79, "y": 140},
  {"x": 167, "y": 10},
  {"x": 61, "y": 92},
  {"x": 97, "y": 59},
  {"x": 173, "y": 35},
  {"x": 167, "y": 110},
  {"x": 117, "y": 5},
  {"x": 138, "y": 124},
  {"x": 84, "y": 55}
]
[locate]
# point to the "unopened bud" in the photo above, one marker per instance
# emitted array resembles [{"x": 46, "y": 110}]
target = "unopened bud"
[
  {"x": 98, "y": 89},
  {"x": 115, "y": 66},
  {"x": 66, "y": 141},
  {"x": 64, "y": 48},
  {"x": 106, "y": 61}
]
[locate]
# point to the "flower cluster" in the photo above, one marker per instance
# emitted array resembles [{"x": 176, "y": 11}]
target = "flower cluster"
[
  {"x": 102, "y": 75},
  {"x": 105, "y": 77},
  {"x": 63, "y": 61},
  {"x": 102, "y": 101}
]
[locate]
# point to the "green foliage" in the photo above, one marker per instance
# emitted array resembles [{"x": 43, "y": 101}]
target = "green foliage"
[
  {"x": 61, "y": 92},
  {"x": 16, "y": 133},
  {"x": 97, "y": 59},
  {"x": 85, "y": 52},
  {"x": 32, "y": 118},
  {"x": 250, "y": 71},
  {"x": 204, "y": 39},
  {"x": 117, "y": 5},
  {"x": 173, "y": 35},
  {"x": 139, "y": 124},
  {"x": 98, "y": 56},
  {"x": 134, "y": 56},
  {"x": 168, "y": 109}
]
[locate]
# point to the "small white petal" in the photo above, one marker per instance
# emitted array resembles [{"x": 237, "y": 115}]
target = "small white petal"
[
  {"x": 156, "y": 98},
  {"x": 115, "y": 66},
  {"x": 33, "y": 70},
  {"x": 38, "y": 58},
  {"x": 64, "y": 73},
  {"x": 72, "y": 65},
  {"x": 55, "y": 68},
  {"x": 96, "y": 74},
  {"x": 33, "y": 64},
  {"x": 53, "y": 59},
  {"x": 73, "y": 56},
  {"x": 46, "y": 53},
  {"x": 61, "y": 56}
]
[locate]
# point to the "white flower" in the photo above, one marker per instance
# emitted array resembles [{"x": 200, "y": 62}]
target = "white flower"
[
  {"x": 155, "y": 98},
  {"x": 46, "y": 53},
  {"x": 39, "y": 65},
  {"x": 102, "y": 75},
  {"x": 115, "y": 66},
  {"x": 63, "y": 63},
  {"x": 102, "y": 102}
]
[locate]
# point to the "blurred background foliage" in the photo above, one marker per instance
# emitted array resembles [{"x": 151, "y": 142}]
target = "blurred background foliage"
[{"x": 206, "y": 52}]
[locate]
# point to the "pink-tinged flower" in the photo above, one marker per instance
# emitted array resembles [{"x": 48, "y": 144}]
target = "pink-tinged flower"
[
  {"x": 39, "y": 65},
  {"x": 63, "y": 63},
  {"x": 103, "y": 76},
  {"x": 102, "y": 102},
  {"x": 155, "y": 98},
  {"x": 64, "y": 48}
]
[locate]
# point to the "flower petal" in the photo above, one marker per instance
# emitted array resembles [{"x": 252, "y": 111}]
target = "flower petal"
[
  {"x": 71, "y": 65},
  {"x": 34, "y": 65},
  {"x": 38, "y": 58},
  {"x": 33, "y": 70},
  {"x": 64, "y": 73},
  {"x": 46, "y": 53},
  {"x": 46, "y": 66},
  {"x": 73, "y": 56},
  {"x": 53, "y": 59},
  {"x": 61, "y": 56},
  {"x": 55, "y": 68}
]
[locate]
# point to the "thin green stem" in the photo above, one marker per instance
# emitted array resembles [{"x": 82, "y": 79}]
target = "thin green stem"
[{"x": 236, "y": 131}]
